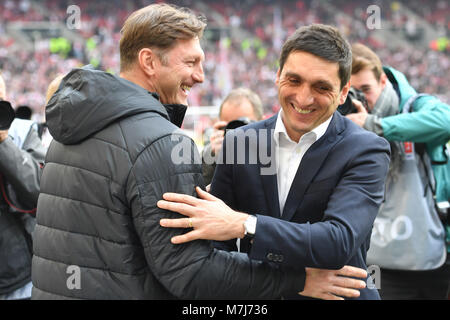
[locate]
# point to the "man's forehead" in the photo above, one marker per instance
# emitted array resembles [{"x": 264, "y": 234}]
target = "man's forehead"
[
  {"x": 236, "y": 108},
  {"x": 237, "y": 102},
  {"x": 190, "y": 48},
  {"x": 365, "y": 76},
  {"x": 312, "y": 68}
]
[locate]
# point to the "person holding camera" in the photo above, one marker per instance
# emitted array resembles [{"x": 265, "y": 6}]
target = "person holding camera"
[
  {"x": 21, "y": 159},
  {"x": 408, "y": 240},
  {"x": 240, "y": 107}
]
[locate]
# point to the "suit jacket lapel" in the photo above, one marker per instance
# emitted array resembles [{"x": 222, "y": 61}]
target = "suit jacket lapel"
[
  {"x": 269, "y": 181},
  {"x": 310, "y": 165}
]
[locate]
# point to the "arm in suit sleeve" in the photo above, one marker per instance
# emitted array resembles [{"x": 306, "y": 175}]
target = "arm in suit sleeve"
[
  {"x": 194, "y": 270},
  {"x": 347, "y": 220}
]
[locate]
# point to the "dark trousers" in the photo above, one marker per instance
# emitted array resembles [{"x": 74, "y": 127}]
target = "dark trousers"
[{"x": 415, "y": 285}]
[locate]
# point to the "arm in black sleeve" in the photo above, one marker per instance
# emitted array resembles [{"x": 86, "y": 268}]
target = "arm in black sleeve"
[
  {"x": 22, "y": 167},
  {"x": 222, "y": 188},
  {"x": 193, "y": 270}
]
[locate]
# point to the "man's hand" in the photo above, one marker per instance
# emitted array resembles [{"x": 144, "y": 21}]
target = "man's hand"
[
  {"x": 3, "y": 135},
  {"x": 217, "y": 137},
  {"x": 209, "y": 216},
  {"x": 333, "y": 284},
  {"x": 360, "y": 116}
]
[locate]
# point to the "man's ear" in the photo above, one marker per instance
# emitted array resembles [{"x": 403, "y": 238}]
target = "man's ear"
[
  {"x": 383, "y": 80},
  {"x": 344, "y": 93},
  {"x": 148, "y": 61},
  {"x": 277, "y": 79}
]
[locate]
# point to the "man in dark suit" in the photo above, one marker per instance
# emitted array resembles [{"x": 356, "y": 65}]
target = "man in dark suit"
[{"x": 312, "y": 194}]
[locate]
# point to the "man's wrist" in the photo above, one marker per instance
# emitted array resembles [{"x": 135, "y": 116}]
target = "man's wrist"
[
  {"x": 3, "y": 136},
  {"x": 239, "y": 224},
  {"x": 250, "y": 227}
]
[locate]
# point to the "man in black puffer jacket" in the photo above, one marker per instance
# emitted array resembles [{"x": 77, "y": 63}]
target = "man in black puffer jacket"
[{"x": 98, "y": 234}]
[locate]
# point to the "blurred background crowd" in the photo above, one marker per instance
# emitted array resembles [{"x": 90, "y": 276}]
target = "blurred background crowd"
[{"x": 241, "y": 43}]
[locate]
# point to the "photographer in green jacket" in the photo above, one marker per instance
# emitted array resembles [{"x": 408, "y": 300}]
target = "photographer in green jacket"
[{"x": 425, "y": 127}]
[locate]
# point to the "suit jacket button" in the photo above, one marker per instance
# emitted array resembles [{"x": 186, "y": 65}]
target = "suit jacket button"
[
  {"x": 270, "y": 256},
  {"x": 280, "y": 258}
]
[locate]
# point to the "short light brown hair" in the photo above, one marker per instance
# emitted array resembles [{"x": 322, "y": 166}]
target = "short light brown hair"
[
  {"x": 244, "y": 93},
  {"x": 365, "y": 58},
  {"x": 157, "y": 26},
  {"x": 53, "y": 87},
  {"x": 323, "y": 41}
]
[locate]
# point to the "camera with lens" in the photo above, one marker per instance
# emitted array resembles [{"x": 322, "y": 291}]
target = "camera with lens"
[
  {"x": 236, "y": 123},
  {"x": 347, "y": 107},
  {"x": 7, "y": 115}
]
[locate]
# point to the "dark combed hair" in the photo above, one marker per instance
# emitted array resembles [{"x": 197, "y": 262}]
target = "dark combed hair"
[{"x": 322, "y": 41}]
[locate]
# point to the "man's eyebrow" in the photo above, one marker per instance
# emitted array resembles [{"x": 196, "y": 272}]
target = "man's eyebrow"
[
  {"x": 194, "y": 57},
  {"x": 324, "y": 83},
  {"x": 294, "y": 75},
  {"x": 289, "y": 74}
]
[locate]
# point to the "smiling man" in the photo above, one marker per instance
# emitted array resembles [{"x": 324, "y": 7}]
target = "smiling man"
[
  {"x": 309, "y": 91},
  {"x": 318, "y": 209}
]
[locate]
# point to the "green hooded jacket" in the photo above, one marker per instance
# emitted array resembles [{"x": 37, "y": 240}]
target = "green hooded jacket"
[{"x": 429, "y": 124}]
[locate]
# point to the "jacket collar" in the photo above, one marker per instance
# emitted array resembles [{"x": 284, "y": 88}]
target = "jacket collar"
[
  {"x": 316, "y": 133},
  {"x": 311, "y": 163},
  {"x": 175, "y": 112}
]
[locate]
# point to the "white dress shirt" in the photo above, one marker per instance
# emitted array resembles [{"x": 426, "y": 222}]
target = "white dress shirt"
[{"x": 290, "y": 153}]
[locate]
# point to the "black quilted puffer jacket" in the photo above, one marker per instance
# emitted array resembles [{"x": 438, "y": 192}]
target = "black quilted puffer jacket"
[{"x": 98, "y": 234}]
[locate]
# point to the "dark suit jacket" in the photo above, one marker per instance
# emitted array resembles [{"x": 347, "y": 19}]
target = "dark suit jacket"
[{"x": 333, "y": 201}]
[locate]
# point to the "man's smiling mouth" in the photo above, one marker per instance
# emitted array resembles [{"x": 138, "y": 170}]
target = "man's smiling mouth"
[
  {"x": 185, "y": 88},
  {"x": 301, "y": 111}
]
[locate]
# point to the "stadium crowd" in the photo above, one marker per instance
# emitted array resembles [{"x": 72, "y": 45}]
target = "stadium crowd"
[{"x": 246, "y": 61}]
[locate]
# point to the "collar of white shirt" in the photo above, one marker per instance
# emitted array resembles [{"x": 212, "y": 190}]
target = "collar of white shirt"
[
  {"x": 315, "y": 134},
  {"x": 289, "y": 154}
]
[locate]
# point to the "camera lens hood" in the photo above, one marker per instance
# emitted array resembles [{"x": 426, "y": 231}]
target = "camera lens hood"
[{"x": 7, "y": 115}]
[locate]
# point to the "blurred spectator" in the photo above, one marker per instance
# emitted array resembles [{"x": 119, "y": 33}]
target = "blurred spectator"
[
  {"x": 43, "y": 131},
  {"x": 241, "y": 104}
]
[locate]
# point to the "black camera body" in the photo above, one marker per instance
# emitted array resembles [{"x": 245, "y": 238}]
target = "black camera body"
[
  {"x": 7, "y": 115},
  {"x": 347, "y": 107},
  {"x": 236, "y": 123}
]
